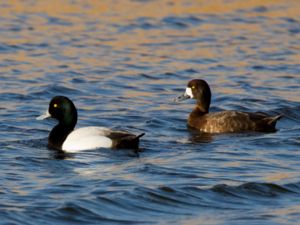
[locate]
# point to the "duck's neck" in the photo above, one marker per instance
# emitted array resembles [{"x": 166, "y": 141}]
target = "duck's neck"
[
  {"x": 199, "y": 110},
  {"x": 202, "y": 106},
  {"x": 59, "y": 134}
]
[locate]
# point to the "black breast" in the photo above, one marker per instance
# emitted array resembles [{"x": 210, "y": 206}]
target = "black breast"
[{"x": 57, "y": 137}]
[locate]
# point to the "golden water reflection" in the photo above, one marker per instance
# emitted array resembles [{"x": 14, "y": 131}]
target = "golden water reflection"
[
  {"x": 128, "y": 9},
  {"x": 105, "y": 13},
  {"x": 87, "y": 35}
]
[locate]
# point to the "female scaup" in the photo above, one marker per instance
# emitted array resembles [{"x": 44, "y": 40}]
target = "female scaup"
[
  {"x": 64, "y": 137},
  {"x": 225, "y": 121}
]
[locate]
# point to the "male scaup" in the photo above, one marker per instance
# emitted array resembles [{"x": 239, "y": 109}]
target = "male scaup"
[
  {"x": 225, "y": 121},
  {"x": 64, "y": 137}
]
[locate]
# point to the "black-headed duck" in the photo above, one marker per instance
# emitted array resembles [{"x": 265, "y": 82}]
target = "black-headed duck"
[{"x": 64, "y": 137}]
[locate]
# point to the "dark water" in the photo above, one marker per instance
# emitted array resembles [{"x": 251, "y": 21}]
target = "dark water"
[{"x": 122, "y": 63}]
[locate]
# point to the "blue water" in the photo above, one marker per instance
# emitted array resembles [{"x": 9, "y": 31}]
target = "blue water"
[{"x": 122, "y": 65}]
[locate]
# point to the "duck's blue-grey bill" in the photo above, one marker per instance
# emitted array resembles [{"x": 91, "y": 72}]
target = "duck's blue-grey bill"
[
  {"x": 44, "y": 116},
  {"x": 181, "y": 98}
]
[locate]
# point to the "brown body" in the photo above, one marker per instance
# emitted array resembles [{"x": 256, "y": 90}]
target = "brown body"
[
  {"x": 225, "y": 121},
  {"x": 231, "y": 121}
]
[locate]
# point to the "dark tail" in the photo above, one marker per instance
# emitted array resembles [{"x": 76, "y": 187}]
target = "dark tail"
[
  {"x": 273, "y": 120},
  {"x": 129, "y": 141},
  {"x": 136, "y": 141},
  {"x": 268, "y": 124},
  {"x": 139, "y": 136}
]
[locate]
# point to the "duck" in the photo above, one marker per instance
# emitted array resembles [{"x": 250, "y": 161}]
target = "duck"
[
  {"x": 229, "y": 121},
  {"x": 64, "y": 137}
]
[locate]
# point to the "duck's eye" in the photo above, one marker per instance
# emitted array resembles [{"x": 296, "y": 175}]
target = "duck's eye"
[
  {"x": 193, "y": 87},
  {"x": 55, "y": 105}
]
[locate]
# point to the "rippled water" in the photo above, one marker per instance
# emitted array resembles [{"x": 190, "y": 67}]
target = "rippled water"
[{"x": 122, "y": 62}]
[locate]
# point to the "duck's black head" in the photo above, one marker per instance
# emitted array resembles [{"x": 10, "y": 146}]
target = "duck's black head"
[
  {"x": 198, "y": 89},
  {"x": 62, "y": 109}
]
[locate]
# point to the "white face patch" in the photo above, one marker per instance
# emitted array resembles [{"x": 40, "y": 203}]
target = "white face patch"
[{"x": 188, "y": 92}]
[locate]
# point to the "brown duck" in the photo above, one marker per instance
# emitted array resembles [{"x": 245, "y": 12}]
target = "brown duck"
[{"x": 225, "y": 121}]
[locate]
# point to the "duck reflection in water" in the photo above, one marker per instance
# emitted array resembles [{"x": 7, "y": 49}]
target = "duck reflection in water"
[{"x": 198, "y": 137}]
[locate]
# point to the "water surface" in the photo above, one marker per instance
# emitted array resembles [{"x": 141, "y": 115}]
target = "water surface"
[{"x": 122, "y": 63}]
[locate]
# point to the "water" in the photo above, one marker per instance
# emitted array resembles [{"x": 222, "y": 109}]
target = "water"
[{"x": 122, "y": 62}]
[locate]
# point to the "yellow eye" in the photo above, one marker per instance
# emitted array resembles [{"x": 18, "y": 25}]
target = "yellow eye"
[
  {"x": 193, "y": 87},
  {"x": 55, "y": 105}
]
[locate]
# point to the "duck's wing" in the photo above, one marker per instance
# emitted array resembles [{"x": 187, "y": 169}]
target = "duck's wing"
[
  {"x": 228, "y": 121},
  {"x": 236, "y": 121},
  {"x": 264, "y": 122}
]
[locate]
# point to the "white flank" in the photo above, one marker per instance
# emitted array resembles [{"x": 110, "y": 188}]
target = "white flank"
[
  {"x": 87, "y": 138},
  {"x": 188, "y": 92}
]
